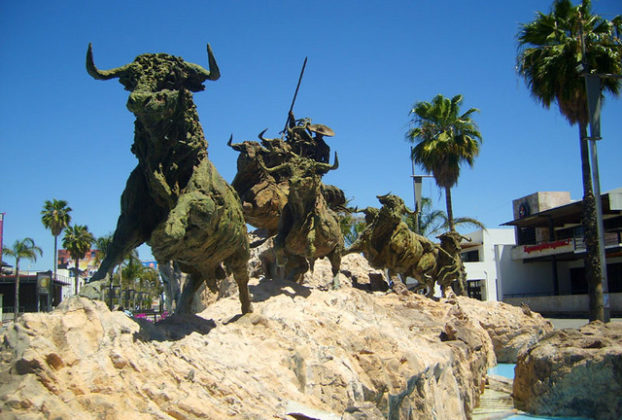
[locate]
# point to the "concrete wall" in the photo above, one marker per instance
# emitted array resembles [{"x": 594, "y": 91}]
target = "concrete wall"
[{"x": 487, "y": 269}]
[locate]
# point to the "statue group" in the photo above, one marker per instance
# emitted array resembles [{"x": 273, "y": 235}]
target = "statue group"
[{"x": 194, "y": 221}]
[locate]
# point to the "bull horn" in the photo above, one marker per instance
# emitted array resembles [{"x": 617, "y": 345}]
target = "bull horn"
[
  {"x": 261, "y": 137},
  {"x": 213, "y": 73},
  {"x": 101, "y": 74},
  {"x": 231, "y": 144},
  {"x": 320, "y": 166},
  {"x": 262, "y": 164}
]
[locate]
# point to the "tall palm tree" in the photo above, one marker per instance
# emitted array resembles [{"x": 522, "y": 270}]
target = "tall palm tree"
[
  {"x": 434, "y": 222},
  {"x": 77, "y": 241},
  {"x": 55, "y": 216},
  {"x": 550, "y": 60},
  {"x": 444, "y": 140},
  {"x": 24, "y": 249}
]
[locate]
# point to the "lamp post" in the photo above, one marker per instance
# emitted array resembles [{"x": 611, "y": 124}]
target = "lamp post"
[
  {"x": 417, "y": 183},
  {"x": 593, "y": 90}
]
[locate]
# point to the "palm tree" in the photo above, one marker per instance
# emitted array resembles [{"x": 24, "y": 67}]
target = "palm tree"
[
  {"x": 55, "y": 216},
  {"x": 445, "y": 139},
  {"x": 550, "y": 59},
  {"x": 434, "y": 222},
  {"x": 131, "y": 270},
  {"x": 24, "y": 249},
  {"x": 77, "y": 241},
  {"x": 101, "y": 244}
]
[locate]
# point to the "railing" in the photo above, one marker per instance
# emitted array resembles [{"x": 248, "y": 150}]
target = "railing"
[{"x": 611, "y": 239}]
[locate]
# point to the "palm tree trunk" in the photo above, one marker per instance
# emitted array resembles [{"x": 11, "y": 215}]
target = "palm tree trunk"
[
  {"x": 592, "y": 263},
  {"x": 51, "y": 288},
  {"x": 76, "y": 281},
  {"x": 16, "y": 306},
  {"x": 450, "y": 212}
]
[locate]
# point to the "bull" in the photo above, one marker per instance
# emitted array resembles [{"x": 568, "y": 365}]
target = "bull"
[
  {"x": 308, "y": 228},
  {"x": 174, "y": 199},
  {"x": 388, "y": 243}
]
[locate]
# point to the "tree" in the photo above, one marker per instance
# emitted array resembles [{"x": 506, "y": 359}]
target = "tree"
[
  {"x": 444, "y": 140},
  {"x": 131, "y": 270},
  {"x": 434, "y": 222},
  {"x": 55, "y": 217},
  {"x": 550, "y": 60},
  {"x": 77, "y": 241},
  {"x": 24, "y": 249}
]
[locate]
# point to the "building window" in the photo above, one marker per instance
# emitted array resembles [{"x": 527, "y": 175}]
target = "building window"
[
  {"x": 474, "y": 289},
  {"x": 526, "y": 236},
  {"x": 578, "y": 283},
  {"x": 614, "y": 277},
  {"x": 470, "y": 256}
]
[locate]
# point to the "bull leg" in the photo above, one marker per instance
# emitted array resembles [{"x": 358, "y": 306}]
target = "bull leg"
[
  {"x": 170, "y": 275},
  {"x": 184, "y": 303},
  {"x": 239, "y": 268},
  {"x": 335, "y": 264},
  {"x": 139, "y": 216}
]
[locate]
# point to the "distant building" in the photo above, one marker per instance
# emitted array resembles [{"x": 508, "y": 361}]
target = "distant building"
[
  {"x": 541, "y": 263},
  {"x": 487, "y": 261},
  {"x": 549, "y": 238},
  {"x": 33, "y": 290},
  {"x": 66, "y": 269}
]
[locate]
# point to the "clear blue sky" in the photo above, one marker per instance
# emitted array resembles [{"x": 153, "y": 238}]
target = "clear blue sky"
[{"x": 65, "y": 135}]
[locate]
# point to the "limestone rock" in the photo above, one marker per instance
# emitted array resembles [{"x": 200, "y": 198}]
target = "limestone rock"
[
  {"x": 573, "y": 373},
  {"x": 511, "y": 329},
  {"x": 346, "y": 352}
]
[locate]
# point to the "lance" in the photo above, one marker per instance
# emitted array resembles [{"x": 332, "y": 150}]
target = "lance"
[{"x": 291, "y": 108}]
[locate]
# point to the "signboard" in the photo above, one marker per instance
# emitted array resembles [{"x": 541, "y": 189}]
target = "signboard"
[{"x": 43, "y": 282}]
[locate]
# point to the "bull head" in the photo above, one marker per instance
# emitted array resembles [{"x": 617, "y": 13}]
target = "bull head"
[{"x": 195, "y": 74}]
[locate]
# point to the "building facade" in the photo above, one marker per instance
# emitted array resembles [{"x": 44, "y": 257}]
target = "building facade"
[{"x": 542, "y": 265}]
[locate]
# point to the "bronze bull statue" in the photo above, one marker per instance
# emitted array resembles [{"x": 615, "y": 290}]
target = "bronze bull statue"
[{"x": 174, "y": 199}]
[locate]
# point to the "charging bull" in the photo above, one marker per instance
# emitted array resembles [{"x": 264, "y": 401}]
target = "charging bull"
[{"x": 174, "y": 199}]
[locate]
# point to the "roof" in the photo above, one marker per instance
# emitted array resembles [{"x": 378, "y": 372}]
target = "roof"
[{"x": 569, "y": 213}]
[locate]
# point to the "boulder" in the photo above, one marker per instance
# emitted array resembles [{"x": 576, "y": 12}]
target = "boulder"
[
  {"x": 573, "y": 373},
  {"x": 512, "y": 329},
  {"x": 306, "y": 352}
]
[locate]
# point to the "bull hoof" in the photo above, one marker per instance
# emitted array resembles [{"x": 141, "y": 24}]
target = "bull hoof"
[{"x": 247, "y": 309}]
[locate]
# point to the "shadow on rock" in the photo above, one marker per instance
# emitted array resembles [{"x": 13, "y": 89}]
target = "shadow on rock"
[
  {"x": 268, "y": 288},
  {"x": 173, "y": 328}
]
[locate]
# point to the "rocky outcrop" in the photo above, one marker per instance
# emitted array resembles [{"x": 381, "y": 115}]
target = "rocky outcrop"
[
  {"x": 573, "y": 373},
  {"x": 306, "y": 352},
  {"x": 512, "y": 329}
]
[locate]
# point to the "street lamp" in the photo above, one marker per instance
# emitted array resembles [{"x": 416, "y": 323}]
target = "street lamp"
[{"x": 417, "y": 183}]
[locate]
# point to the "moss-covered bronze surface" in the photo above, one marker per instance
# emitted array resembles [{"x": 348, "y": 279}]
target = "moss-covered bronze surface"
[
  {"x": 175, "y": 200},
  {"x": 388, "y": 243},
  {"x": 263, "y": 193}
]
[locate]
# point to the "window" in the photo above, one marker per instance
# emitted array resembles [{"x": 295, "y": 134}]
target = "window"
[{"x": 470, "y": 256}]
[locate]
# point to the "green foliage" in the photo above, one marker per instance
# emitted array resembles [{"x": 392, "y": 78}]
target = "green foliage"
[
  {"x": 55, "y": 215},
  {"x": 554, "y": 50},
  {"x": 434, "y": 222},
  {"x": 26, "y": 249},
  {"x": 444, "y": 138},
  {"x": 351, "y": 227},
  {"x": 550, "y": 57},
  {"x": 78, "y": 241}
]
